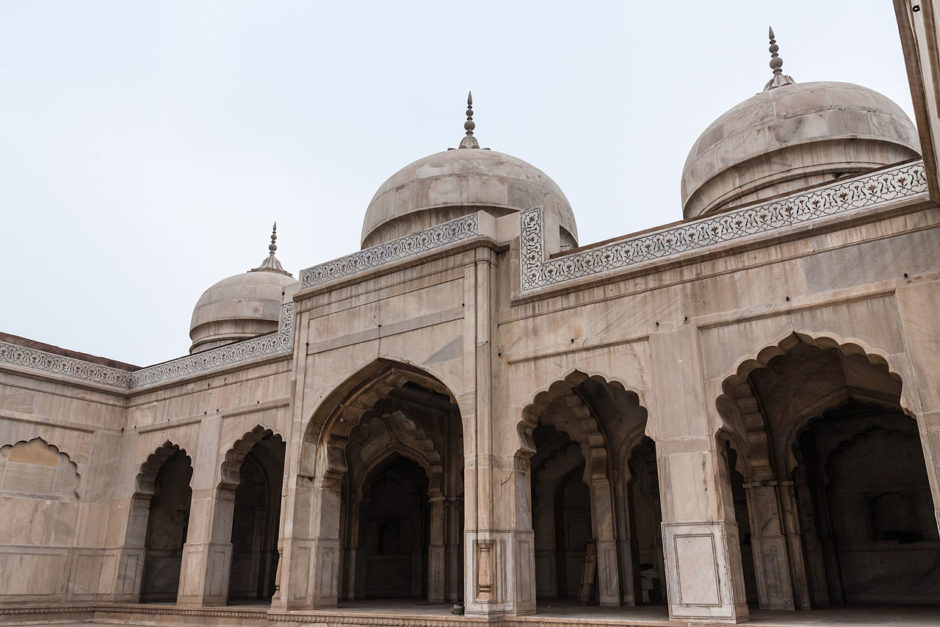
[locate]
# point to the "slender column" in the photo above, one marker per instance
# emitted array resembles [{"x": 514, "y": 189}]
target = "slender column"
[
  {"x": 352, "y": 551},
  {"x": 771, "y": 565},
  {"x": 624, "y": 551},
  {"x": 815, "y": 564},
  {"x": 436, "y": 556},
  {"x": 543, "y": 522},
  {"x": 452, "y": 550},
  {"x": 608, "y": 576},
  {"x": 791, "y": 526}
]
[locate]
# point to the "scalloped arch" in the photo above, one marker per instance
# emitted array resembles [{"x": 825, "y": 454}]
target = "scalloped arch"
[
  {"x": 739, "y": 411},
  {"x": 566, "y": 387},
  {"x": 63, "y": 457},
  {"x": 145, "y": 483},
  {"x": 230, "y": 475}
]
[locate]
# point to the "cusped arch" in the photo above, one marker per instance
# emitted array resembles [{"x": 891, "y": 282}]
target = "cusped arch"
[
  {"x": 145, "y": 483},
  {"x": 567, "y": 391},
  {"x": 234, "y": 456},
  {"x": 740, "y": 412},
  {"x": 44, "y": 452},
  {"x": 410, "y": 440},
  {"x": 850, "y": 348}
]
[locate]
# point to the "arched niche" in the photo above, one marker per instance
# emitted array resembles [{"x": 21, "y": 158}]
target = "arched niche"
[
  {"x": 606, "y": 423},
  {"x": 797, "y": 416},
  {"x": 247, "y": 515},
  {"x": 164, "y": 497},
  {"x": 388, "y": 406}
]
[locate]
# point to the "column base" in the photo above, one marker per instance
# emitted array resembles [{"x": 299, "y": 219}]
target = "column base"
[{"x": 703, "y": 571}]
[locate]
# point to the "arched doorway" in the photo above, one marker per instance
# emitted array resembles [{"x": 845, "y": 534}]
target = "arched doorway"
[
  {"x": 561, "y": 514},
  {"x": 394, "y": 530},
  {"x": 864, "y": 499},
  {"x": 402, "y": 419},
  {"x": 170, "y": 470},
  {"x": 838, "y": 503},
  {"x": 595, "y": 495},
  {"x": 255, "y": 516}
]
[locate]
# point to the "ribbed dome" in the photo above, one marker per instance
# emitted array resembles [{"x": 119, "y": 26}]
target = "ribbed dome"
[
  {"x": 240, "y": 307},
  {"x": 454, "y": 183},
  {"x": 792, "y": 136}
]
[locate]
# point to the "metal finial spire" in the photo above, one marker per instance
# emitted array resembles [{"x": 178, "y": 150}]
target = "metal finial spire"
[
  {"x": 469, "y": 125},
  {"x": 776, "y": 64},
  {"x": 469, "y": 141},
  {"x": 271, "y": 264}
]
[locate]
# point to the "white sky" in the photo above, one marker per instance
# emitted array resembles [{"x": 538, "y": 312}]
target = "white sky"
[{"x": 146, "y": 148}]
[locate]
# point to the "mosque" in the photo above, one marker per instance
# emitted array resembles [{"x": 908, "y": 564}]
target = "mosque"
[{"x": 737, "y": 412}]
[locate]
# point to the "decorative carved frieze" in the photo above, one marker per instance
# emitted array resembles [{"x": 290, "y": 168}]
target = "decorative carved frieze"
[
  {"x": 862, "y": 192},
  {"x": 34, "y": 359},
  {"x": 278, "y": 343},
  {"x": 428, "y": 239}
]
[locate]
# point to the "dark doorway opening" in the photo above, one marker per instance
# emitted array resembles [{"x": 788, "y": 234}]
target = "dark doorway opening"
[
  {"x": 167, "y": 525},
  {"x": 865, "y": 501},
  {"x": 256, "y": 518},
  {"x": 393, "y": 532}
]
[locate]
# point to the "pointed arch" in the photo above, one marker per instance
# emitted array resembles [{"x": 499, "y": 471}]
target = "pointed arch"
[
  {"x": 420, "y": 416},
  {"x": 344, "y": 408}
]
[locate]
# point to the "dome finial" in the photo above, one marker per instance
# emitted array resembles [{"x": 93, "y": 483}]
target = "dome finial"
[
  {"x": 271, "y": 264},
  {"x": 469, "y": 141},
  {"x": 776, "y": 64}
]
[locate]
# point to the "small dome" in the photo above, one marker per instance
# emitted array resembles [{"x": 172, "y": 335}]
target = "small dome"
[
  {"x": 792, "y": 136},
  {"x": 454, "y": 183},
  {"x": 240, "y": 307}
]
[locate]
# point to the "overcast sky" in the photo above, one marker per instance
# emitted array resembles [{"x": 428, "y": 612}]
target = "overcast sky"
[{"x": 146, "y": 148}]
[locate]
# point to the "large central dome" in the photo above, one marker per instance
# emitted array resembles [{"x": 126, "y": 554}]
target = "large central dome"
[{"x": 458, "y": 182}]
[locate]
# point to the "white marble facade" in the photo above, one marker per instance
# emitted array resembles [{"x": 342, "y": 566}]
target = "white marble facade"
[{"x": 739, "y": 408}]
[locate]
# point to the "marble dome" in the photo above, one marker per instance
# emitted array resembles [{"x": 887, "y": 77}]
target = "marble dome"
[
  {"x": 240, "y": 307},
  {"x": 792, "y": 136},
  {"x": 458, "y": 182}
]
